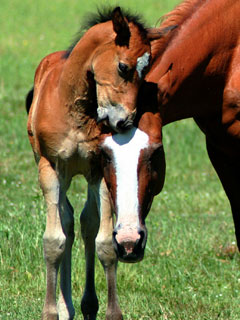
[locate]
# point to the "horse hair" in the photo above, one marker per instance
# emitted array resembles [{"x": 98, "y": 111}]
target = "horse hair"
[
  {"x": 177, "y": 16},
  {"x": 103, "y": 15}
]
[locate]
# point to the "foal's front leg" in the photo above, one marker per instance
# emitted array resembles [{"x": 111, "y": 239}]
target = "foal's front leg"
[
  {"x": 54, "y": 239},
  {"x": 106, "y": 252}
]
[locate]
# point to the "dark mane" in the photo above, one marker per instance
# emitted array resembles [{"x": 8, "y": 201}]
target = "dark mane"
[
  {"x": 103, "y": 15},
  {"x": 177, "y": 16}
]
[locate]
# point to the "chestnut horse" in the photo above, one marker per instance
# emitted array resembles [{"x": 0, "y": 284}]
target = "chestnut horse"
[
  {"x": 80, "y": 97},
  {"x": 196, "y": 74}
]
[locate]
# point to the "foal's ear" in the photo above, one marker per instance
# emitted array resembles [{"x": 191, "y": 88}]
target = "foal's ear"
[
  {"x": 120, "y": 26},
  {"x": 157, "y": 33}
]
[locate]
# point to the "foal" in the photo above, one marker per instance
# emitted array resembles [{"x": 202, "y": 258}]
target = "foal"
[{"x": 80, "y": 97}]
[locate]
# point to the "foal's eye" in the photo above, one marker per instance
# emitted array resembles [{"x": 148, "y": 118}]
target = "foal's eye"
[{"x": 123, "y": 69}]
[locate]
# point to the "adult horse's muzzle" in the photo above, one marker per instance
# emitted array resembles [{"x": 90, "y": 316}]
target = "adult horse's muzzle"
[
  {"x": 129, "y": 243},
  {"x": 116, "y": 117}
]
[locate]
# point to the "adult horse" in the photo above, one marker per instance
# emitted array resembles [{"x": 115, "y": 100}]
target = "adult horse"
[
  {"x": 80, "y": 97},
  {"x": 196, "y": 73}
]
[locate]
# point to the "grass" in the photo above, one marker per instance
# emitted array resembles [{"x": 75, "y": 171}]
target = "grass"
[{"x": 191, "y": 267}]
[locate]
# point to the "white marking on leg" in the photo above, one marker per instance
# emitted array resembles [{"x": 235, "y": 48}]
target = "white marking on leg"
[
  {"x": 142, "y": 62},
  {"x": 126, "y": 149}
]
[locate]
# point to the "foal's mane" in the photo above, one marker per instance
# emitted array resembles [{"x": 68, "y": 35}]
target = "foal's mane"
[
  {"x": 103, "y": 15},
  {"x": 178, "y": 16}
]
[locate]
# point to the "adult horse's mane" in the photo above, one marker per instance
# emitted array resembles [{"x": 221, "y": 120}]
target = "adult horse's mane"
[
  {"x": 103, "y": 15},
  {"x": 177, "y": 17}
]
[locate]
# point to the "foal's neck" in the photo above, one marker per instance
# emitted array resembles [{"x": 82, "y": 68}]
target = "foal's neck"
[{"x": 76, "y": 80}]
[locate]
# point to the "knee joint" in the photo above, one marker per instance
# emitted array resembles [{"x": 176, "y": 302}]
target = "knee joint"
[
  {"x": 54, "y": 247},
  {"x": 105, "y": 251}
]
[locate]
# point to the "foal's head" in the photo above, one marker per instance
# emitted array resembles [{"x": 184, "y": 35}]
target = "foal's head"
[
  {"x": 134, "y": 170},
  {"x": 106, "y": 66},
  {"x": 110, "y": 61},
  {"x": 119, "y": 68}
]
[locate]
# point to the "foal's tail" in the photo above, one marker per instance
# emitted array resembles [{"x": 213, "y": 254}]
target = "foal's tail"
[{"x": 29, "y": 99}]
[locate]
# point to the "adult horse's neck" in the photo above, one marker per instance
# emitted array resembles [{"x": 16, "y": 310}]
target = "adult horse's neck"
[{"x": 192, "y": 70}]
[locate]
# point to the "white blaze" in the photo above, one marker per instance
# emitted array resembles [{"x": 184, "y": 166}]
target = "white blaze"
[
  {"x": 142, "y": 62},
  {"x": 126, "y": 149}
]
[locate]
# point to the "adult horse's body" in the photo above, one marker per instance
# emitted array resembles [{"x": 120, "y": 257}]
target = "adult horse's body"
[
  {"x": 196, "y": 72},
  {"x": 80, "y": 97}
]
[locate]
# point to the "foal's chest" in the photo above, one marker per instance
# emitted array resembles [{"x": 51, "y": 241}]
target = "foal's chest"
[{"x": 80, "y": 151}]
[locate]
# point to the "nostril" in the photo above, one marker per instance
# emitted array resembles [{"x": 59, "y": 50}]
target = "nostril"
[
  {"x": 117, "y": 247},
  {"x": 120, "y": 124},
  {"x": 114, "y": 239},
  {"x": 141, "y": 242},
  {"x": 124, "y": 124},
  {"x": 114, "y": 235},
  {"x": 142, "y": 234}
]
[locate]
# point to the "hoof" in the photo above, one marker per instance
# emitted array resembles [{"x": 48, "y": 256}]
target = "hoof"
[
  {"x": 90, "y": 317},
  {"x": 114, "y": 315},
  {"x": 89, "y": 306},
  {"x": 50, "y": 316}
]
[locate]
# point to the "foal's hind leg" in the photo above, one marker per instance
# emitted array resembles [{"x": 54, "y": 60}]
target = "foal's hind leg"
[
  {"x": 228, "y": 170},
  {"x": 54, "y": 240},
  {"x": 65, "y": 306},
  {"x": 89, "y": 227}
]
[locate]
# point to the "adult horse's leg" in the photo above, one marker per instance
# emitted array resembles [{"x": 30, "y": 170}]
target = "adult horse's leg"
[
  {"x": 106, "y": 252},
  {"x": 55, "y": 241},
  {"x": 228, "y": 170},
  {"x": 89, "y": 227}
]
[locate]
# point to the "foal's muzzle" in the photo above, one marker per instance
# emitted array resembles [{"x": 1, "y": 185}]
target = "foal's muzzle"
[
  {"x": 116, "y": 117},
  {"x": 129, "y": 246}
]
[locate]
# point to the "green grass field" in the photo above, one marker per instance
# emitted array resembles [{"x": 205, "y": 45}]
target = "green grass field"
[{"x": 191, "y": 267}]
